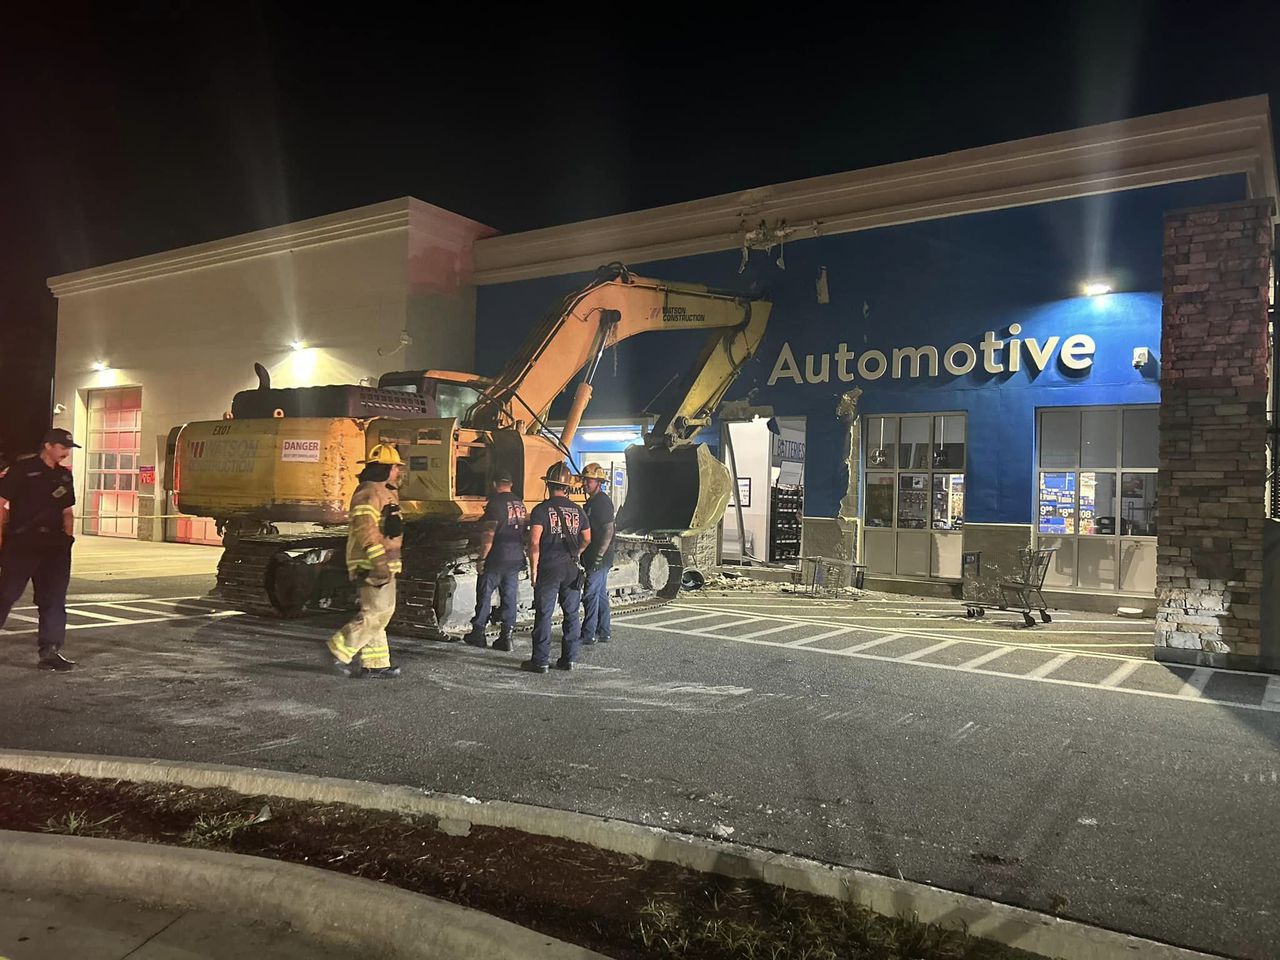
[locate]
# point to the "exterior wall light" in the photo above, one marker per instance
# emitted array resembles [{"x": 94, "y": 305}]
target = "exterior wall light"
[
  {"x": 298, "y": 345},
  {"x": 100, "y": 365},
  {"x": 1096, "y": 288}
]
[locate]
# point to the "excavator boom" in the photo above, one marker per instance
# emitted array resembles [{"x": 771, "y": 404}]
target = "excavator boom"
[{"x": 674, "y": 486}]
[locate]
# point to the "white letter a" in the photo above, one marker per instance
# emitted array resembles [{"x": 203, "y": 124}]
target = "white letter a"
[{"x": 785, "y": 367}]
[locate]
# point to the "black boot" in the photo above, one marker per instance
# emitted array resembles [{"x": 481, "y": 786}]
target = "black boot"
[
  {"x": 504, "y": 644},
  {"x": 475, "y": 640},
  {"x": 531, "y": 667},
  {"x": 381, "y": 673},
  {"x": 55, "y": 661}
]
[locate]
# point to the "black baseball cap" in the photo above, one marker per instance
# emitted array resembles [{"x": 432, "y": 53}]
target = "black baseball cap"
[
  {"x": 63, "y": 437},
  {"x": 502, "y": 476}
]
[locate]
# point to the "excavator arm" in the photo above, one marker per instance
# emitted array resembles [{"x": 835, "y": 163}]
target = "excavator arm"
[
  {"x": 612, "y": 308},
  {"x": 674, "y": 486}
]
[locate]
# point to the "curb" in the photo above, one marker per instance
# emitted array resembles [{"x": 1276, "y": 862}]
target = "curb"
[
  {"x": 373, "y": 919},
  {"x": 1013, "y": 926}
]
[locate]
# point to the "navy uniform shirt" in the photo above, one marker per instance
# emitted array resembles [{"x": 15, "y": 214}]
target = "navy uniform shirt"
[
  {"x": 600, "y": 513},
  {"x": 507, "y": 511},
  {"x": 37, "y": 495},
  {"x": 554, "y": 553}
]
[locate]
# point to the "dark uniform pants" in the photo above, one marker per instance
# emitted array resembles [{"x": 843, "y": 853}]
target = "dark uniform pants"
[
  {"x": 507, "y": 583},
  {"x": 597, "y": 620},
  {"x": 554, "y": 587},
  {"x": 45, "y": 562}
]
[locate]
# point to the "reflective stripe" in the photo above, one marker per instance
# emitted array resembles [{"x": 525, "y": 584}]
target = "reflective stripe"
[
  {"x": 366, "y": 511},
  {"x": 395, "y": 566},
  {"x": 354, "y": 565},
  {"x": 375, "y": 551},
  {"x": 340, "y": 649}
]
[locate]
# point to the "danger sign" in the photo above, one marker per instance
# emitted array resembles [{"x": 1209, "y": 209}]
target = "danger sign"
[{"x": 300, "y": 451}]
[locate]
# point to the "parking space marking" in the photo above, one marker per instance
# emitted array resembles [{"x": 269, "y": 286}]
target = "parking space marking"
[
  {"x": 917, "y": 654},
  {"x": 1194, "y": 686},
  {"x": 1114, "y": 666},
  {"x": 1047, "y": 668},
  {"x": 858, "y": 647},
  {"x": 95, "y": 615},
  {"x": 1272, "y": 694},
  {"x": 986, "y": 658},
  {"x": 24, "y": 617},
  {"x": 1120, "y": 674},
  {"x": 822, "y": 636},
  {"x": 764, "y": 633},
  {"x": 700, "y": 616}
]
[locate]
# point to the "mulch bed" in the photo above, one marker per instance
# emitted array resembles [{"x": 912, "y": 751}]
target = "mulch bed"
[{"x": 621, "y": 906}]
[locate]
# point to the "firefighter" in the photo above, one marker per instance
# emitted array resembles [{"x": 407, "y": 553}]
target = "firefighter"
[
  {"x": 373, "y": 560},
  {"x": 500, "y": 561},
  {"x": 36, "y": 524},
  {"x": 558, "y": 533},
  {"x": 596, "y": 621}
]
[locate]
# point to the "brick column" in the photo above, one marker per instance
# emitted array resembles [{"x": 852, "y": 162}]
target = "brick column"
[{"x": 1213, "y": 386}]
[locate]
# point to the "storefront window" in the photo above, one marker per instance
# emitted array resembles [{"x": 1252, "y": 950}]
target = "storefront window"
[
  {"x": 913, "y": 501},
  {"x": 1084, "y": 497},
  {"x": 1098, "y": 503},
  {"x": 948, "y": 442},
  {"x": 1142, "y": 437},
  {"x": 926, "y": 491},
  {"x": 879, "y": 511},
  {"x": 1057, "y": 504},
  {"x": 882, "y": 443},
  {"x": 948, "y": 501},
  {"x": 913, "y": 449},
  {"x": 1138, "y": 504}
]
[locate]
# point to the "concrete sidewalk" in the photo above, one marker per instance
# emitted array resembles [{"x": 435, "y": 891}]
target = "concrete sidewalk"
[
  {"x": 100, "y": 928},
  {"x": 107, "y": 559}
]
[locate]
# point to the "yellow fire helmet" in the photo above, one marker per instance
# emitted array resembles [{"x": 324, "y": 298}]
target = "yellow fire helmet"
[
  {"x": 559, "y": 473},
  {"x": 594, "y": 471},
  {"x": 384, "y": 453}
]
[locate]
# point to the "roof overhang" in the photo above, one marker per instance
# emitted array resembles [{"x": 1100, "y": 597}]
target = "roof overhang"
[{"x": 1231, "y": 137}]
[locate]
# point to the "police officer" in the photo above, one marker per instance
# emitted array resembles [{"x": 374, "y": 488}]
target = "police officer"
[
  {"x": 501, "y": 560},
  {"x": 558, "y": 533},
  {"x": 375, "y": 534},
  {"x": 36, "y": 523},
  {"x": 596, "y": 621}
]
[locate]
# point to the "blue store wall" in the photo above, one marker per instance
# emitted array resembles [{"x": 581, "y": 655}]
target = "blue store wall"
[{"x": 935, "y": 283}]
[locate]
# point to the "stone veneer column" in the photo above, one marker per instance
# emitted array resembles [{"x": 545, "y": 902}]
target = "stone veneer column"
[{"x": 1213, "y": 384}]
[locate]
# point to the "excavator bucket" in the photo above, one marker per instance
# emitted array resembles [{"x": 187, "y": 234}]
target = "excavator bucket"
[{"x": 673, "y": 492}]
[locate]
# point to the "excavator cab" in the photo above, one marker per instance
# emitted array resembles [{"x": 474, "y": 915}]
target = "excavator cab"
[{"x": 673, "y": 492}]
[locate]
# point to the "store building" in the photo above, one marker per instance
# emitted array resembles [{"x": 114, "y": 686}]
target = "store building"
[{"x": 936, "y": 380}]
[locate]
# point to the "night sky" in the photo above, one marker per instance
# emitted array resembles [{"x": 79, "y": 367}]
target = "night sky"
[{"x": 132, "y": 128}]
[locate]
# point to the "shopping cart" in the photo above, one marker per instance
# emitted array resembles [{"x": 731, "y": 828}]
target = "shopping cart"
[{"x": 982, "y": 592}]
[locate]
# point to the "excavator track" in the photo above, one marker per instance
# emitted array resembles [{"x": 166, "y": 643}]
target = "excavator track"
[{"x": 285, "y": 576}]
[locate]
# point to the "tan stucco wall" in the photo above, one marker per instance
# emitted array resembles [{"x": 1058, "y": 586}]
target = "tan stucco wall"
[{"x": 190, "y": 338}]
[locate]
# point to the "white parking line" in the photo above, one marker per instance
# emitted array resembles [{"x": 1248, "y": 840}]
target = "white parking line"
[
  {"x": 764, "y": 633},
  {"x": 215, "y": 615},
  {"x": 917, "y": 654},
  {"x": 1120, "y": 674},
  {"x": 822, "y": 636},
  {"x": 94, "y": 615},
  {"x": 1047, "y": 668},
  {"x": 986, "y": 658},
  {"x": 701, "y": 616},
  {"x": 1194, "y": 686},
  {"x": 24, "y": 617},
  {"x": 858, "y": 647},
  {"x": 1272, "y": 693}
]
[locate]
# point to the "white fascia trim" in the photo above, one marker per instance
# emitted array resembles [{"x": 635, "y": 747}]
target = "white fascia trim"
[
  {"x": 1222, "y": 138},
  {"x": 450, "y": 228}
]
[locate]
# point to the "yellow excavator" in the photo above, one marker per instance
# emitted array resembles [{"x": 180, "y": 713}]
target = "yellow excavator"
[{"x": 290, "y": 456}]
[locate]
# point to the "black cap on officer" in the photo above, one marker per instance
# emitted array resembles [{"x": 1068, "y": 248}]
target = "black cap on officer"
[
  {"x": 502, "y": 476},
  {"x": 62, "y": 437}
]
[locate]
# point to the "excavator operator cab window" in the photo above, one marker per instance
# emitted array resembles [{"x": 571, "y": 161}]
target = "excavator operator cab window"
[{"x": 453, "y": 399}]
